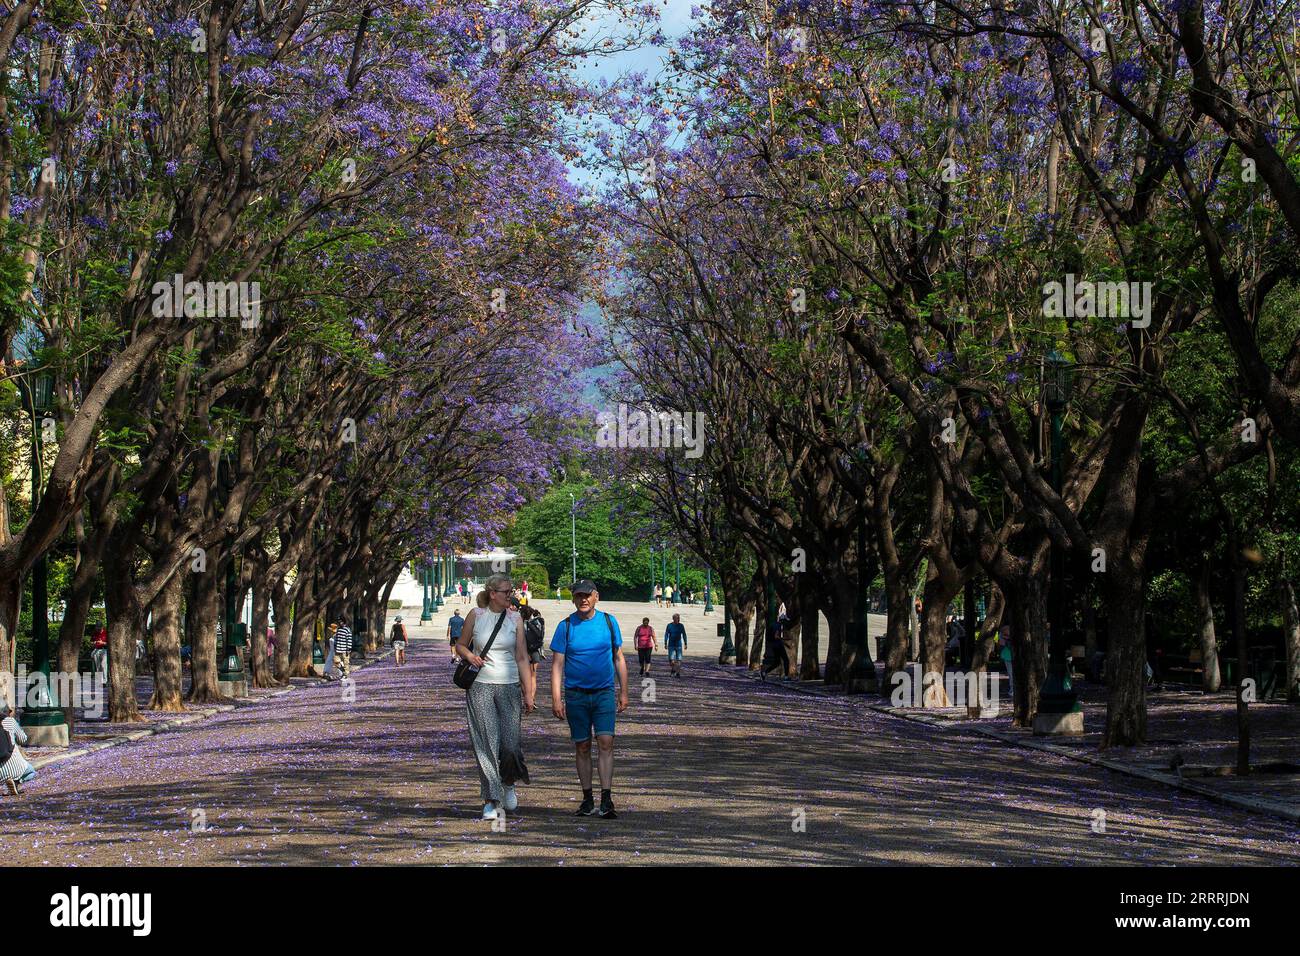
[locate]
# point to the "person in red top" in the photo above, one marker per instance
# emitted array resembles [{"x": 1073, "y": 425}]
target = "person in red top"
[
  {"x": 99, "y": 650},
  {"x": 645, "y": 644}
]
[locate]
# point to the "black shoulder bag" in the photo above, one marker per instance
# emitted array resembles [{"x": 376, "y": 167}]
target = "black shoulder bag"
[{"x": 467, "y": 672}]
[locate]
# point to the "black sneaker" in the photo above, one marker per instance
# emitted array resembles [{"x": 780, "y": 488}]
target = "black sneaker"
[
  {"x": 588, "y": 808},
  {"x": 607, "y": 810}
]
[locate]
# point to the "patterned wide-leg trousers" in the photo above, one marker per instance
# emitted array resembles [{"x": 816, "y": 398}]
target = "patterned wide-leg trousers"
[{"x": 495, "y": 711}]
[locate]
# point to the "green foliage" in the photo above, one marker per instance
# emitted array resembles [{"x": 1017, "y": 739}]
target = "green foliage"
[{"x": 613, "y": 544}]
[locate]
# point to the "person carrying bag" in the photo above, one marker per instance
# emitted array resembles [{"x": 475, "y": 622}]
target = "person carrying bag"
[{"x": 495, "y": 686}]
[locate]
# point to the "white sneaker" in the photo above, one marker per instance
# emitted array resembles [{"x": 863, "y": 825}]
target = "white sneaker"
[
  {"x": 489, "y": 810},
  {"x": 512, "y": 799}
]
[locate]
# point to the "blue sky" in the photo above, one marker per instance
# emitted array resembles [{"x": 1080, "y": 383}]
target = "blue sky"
[{"x": 674, "y": 20}]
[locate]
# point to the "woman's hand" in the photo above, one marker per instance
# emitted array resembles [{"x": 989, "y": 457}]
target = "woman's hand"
[
  {"x": 529, "y": 705},
  {"x": 475, "y": 659}
]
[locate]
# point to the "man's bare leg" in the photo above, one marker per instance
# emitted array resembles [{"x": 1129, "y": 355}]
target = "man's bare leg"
[
  {"x": 584, "y": 764},
  {"x": 605, "y": 759}
]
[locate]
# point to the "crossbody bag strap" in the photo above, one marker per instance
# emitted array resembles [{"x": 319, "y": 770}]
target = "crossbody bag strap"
[{"x": 488, "y": 646}]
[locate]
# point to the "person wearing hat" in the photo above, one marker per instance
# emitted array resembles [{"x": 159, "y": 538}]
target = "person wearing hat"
[
  {"x": 398, "y": 639},
  {"x": 588, "y": 668}
]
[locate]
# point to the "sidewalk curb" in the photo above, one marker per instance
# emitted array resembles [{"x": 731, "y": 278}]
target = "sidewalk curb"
[
  {"x": 192, "y": 717},
  {"x": 1251, "y": 804}
]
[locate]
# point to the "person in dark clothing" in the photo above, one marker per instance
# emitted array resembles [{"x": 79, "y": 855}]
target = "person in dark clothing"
[{"x": 777, "y": 655}]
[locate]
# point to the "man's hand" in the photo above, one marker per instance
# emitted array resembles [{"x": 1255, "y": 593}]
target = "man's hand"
[
  {"x": 557, "y": 708},
  {"x": 622, "y": 700}
]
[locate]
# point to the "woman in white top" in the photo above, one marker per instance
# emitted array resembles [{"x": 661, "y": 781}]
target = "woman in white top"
[
  {"x": 16, "y": 769},
  {"x": 493, "y": 700}
]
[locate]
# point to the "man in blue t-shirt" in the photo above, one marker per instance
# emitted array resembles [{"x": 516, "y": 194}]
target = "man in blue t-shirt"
[
  {"x": 587, "y": 662},
  {"x": 675, "y": 643},
  {"x": 455, "y": 627}
]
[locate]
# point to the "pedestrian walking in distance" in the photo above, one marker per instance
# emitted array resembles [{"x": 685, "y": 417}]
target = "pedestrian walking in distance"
[
  {"x": 675, "y": 643},
  {"x": 659, "y": 596},
  {"x": 588, "y": 669},
  {"x": 534, "y": 635},
  {"x": 501, "y": 693},
  {"x": 343, "y": 647},
  {"x": 454, "y": 628},
  {"x": 645, "y": 644},
  {"x": 398, "y": 639}
]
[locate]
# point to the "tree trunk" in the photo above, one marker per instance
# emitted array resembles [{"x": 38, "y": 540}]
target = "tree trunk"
[
  {"x": 1126, "y": 711},
  {"x": 11, "y": 594},
  {"x": 1211, "y": 679},
  {"x": 201, "y": 626},
  {"x": 939, "y": 593},
  {"x": 1089, "y": 627},
  {"x": 1243, "y": 650},
  {"x": 72, "y": 631},
  {"x": 303, "y": 633},
  {"x": 1029, "y": 645},
  {"x": 898, "y": 620},
  {"x": 1291, "y": 634},
  {"x": 168, "y": 678},
  {"x": 124, "y": 625},
  {"x": 982, "y": 647},
  {"x": 283, "y": 608},
  {"x": 810, "y": 614},
  {"x": 740, "y": 616},
  {"x": 260, "y": 664}
]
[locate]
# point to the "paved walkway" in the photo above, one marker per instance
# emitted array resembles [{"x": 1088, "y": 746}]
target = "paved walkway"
[{"x": 716, "y": 768}]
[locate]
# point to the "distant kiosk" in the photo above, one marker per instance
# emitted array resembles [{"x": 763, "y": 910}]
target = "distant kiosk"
[{"x": 482, "y": 565}]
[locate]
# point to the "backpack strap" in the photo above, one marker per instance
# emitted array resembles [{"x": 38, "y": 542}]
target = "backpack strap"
[
  {"x": 613, "y": 649},
  {"x": 609, "y": 621}
]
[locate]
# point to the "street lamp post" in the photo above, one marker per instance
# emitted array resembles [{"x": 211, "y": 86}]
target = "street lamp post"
[
  {"x": 652, "y": 574},
  {"x": 426, "y": 584},
  {"x": 1058, "y": 705},
  {"x": 439, "y": 581},
  {"x": 230, "y": 675},
  {"x": 664, "y": 577},
  {"x": 708, "y": 590},
  {"x": 728, "y": 653},
  {"x": 677, "y": 586},
  {"x": 573, "y": 535},
  {"x": 42, "y": 717},
  {"x": 862, "y": 675}
]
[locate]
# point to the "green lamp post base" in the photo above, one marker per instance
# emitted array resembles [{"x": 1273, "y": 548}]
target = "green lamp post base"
[
  {"x": 45, "y": 728},
  {"x": 1059, "y": 712},
  {"x": 231, "y": 679}
]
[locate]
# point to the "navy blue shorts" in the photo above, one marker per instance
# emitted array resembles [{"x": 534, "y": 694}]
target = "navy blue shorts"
[{"x": 587, "y": 709}]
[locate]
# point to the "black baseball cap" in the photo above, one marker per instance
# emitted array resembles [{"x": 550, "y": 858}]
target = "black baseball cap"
[{"x": 583, "y": 587}]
